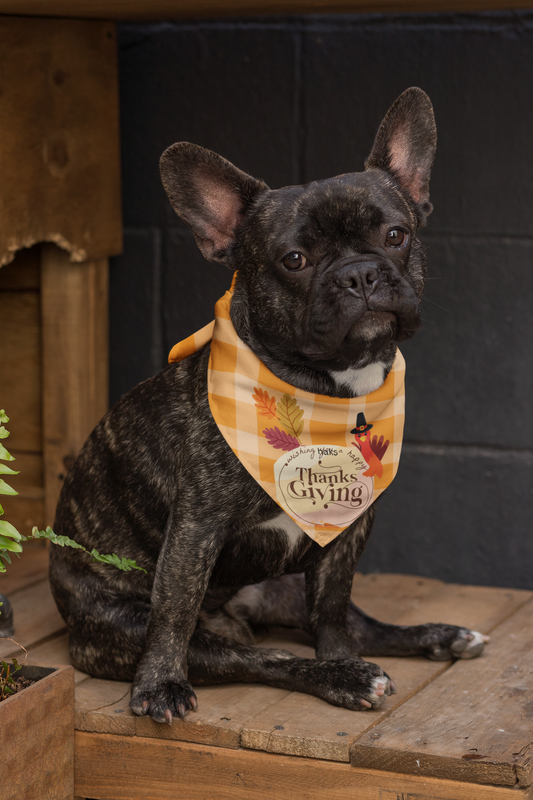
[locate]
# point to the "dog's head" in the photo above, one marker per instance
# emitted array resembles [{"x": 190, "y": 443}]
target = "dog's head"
[{"x": 330, "y": 274}]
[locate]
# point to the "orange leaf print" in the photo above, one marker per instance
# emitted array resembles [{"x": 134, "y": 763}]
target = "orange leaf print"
[{"x": 265, "y": 404}]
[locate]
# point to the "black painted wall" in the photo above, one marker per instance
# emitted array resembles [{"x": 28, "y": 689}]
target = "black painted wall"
[{"x": 292, "y": 100}]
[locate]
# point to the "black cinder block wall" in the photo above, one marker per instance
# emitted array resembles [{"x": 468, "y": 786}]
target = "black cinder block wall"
[{"x": 296, "y": 99}]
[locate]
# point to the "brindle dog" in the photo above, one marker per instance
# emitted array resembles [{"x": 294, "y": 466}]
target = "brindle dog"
[{"x": 330, "y": 277}]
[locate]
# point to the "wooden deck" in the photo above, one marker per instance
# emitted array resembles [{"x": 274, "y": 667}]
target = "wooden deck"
[{"x": 454, "y": 731}]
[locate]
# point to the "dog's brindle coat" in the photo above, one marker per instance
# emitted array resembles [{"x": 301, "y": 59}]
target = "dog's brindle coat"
[{"x": 330, "y": 276}]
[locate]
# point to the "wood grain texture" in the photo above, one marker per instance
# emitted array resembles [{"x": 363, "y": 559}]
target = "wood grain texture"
[
  {"x": 264, "y": 718},
  {"x": 124, "y": 768},
  {"x": 74, "y": 300},
  {"x": 173, "y": 9},
  {"x": 59, "y": 152},
  {"x": 306, "y": 726},
  {"x": 20, "y": 364},
  {"x": 37, "y": 740},
  {"x": 474, "y": 722}
]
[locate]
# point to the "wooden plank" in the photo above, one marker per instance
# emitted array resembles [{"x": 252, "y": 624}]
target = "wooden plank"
[
  {"x": 474, "y": 723},
  {"x": 27, "y": 570},
  {"x": 36, "y": 618},
  {"x": 59, "y": 151},
  {"x": 75, "y": 360},
  {"x": 222, "y": 712},
  {"x": 103, "y": 707},
  {"x": 412, "y": 600},
  {"x": 20, "y": 360},
  {"x": 174, "y": 9},
  {"x": 306, "y": 726},
  {"x": 133, "y": 768}
]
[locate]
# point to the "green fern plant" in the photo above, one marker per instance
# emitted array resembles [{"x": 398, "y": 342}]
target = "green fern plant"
[{"x": 10, "y": 538}]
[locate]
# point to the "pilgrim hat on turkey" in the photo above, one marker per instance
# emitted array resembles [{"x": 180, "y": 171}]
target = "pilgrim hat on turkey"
[{"x": 361, "y": 426}]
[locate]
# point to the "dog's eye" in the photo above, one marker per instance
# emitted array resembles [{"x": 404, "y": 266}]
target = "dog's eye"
[
  {"x": 396, "y": 237},
  {"x": 294, "y": 260}
]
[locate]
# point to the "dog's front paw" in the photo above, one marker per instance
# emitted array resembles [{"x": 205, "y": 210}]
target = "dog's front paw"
[
  {"x": 355, "y": 684},
  {"x": 456, "y": 643},
  {"x": 164, "y": 700}
]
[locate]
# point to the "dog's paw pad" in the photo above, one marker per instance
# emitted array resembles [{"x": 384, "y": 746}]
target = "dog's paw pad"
[{"x": 469, "y": 646}]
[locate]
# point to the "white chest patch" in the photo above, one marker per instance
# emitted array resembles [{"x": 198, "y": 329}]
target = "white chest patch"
[
  {"x": 361, "y": 381},
  {"x": 291, "y": 530}
]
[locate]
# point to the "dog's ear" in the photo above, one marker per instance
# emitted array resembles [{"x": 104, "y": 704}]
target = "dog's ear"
[
  {"x": 405, "y": 146},
  {"x": 209, "y": 194}
]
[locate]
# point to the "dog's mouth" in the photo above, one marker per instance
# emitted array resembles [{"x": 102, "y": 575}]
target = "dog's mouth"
[{"x": 373, "y": 330}]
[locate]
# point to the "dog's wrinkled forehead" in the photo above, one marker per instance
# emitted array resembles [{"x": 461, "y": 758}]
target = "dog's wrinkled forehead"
[{"x": 342, "y": 211}]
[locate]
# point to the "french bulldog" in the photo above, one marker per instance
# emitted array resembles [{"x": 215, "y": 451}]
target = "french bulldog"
[{"x": 329, "y": 279}]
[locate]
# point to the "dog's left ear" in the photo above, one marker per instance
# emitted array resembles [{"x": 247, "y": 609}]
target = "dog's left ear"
[{"x": 405, "y": 146}]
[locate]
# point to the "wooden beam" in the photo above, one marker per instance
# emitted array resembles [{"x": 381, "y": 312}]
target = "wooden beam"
[
  {"x": 74, "y": 301},
  {"x": 111, "y": 767},
  {"x": 59, "y": 149},
  {"x": 174, "y": 9}
]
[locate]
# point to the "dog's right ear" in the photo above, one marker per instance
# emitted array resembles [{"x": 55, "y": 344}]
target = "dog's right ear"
[{"x": 209, "y": 194}]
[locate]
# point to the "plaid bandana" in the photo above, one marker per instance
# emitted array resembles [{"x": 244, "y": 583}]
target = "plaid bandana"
[{"x": 323, "y": 460}]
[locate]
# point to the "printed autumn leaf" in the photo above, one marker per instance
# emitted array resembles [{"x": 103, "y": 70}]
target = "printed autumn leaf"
[
  {"x": 290, "y": 415},
  {"x": 265, "y": 404},
  {"x": 280, "y": 440}
]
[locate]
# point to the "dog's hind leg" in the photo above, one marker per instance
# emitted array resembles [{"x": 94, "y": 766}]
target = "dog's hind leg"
[
  {"x": 281, "y": 602},
  {"x": 436, "y": 641},
  {"x": 108, "y": 640}
]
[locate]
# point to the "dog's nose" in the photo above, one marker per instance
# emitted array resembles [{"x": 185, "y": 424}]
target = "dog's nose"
[{"x": 362, "y": 278}]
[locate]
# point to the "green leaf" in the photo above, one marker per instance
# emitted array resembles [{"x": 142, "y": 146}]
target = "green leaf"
[
  {"x": 4, "y": 433},
  {"x": 9, "y": 544},
  {"x": 3, "y": 416},
  {"x": 5, "y": 488},
  {"x": 125, "y": 564},
  {"x": 5, "y": 470},
  {"x": 62, "y": 541},
  {"x": 5, "y": 455},
  {"x": 9, "y": 530}
]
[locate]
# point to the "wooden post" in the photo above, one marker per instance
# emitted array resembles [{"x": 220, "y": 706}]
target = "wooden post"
[
  {"x": 74, "y": 308},
  {"x": 59, "y": 183}
]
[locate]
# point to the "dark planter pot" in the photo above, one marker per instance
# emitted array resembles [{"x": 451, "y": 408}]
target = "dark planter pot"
[{"x": 37, "y": 737}]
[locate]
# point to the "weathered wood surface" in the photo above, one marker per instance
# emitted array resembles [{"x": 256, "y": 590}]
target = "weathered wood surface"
[
  {"x": 20, "y": 359},
  {"x": 75, "y": 360},
  {"x": 431, "y": 703},
  {"x": 37, "y": 741},
  {"x": 472, "y": 724},
  {"x": 59, "y": 151},
  {"x": 123, "y": 768},
  {"x": 277, "y": 721},
  {"x": 173, "y": 9}
]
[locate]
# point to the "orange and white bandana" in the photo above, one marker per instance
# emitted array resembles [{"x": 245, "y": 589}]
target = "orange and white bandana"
[{"x": 323, "y": 460}]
